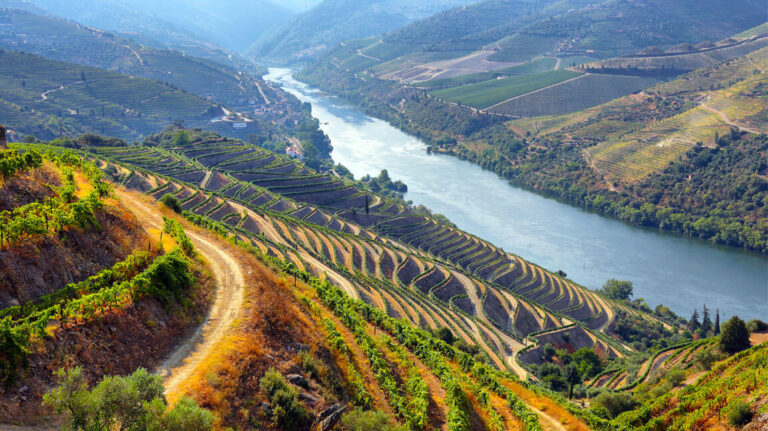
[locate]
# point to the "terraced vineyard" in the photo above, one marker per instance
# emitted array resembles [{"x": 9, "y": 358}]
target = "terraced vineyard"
[
  {"x": 489, "y": 93},
  {"x": 405, "y": 263},
  {"x": 650, "y": 148}
]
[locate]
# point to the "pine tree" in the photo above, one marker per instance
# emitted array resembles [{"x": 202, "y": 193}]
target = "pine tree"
[
  {"x": 706, "y": 322},
  {"x": 694, "y": 324},
  {"x": 717, "y": 322}
]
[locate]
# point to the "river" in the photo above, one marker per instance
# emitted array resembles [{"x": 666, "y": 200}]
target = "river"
[{"x": 665, "y": 269}]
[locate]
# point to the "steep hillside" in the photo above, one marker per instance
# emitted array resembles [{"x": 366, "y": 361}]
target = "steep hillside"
[
  {"x": 48, "y": 98},
  {"x": 334, "y": 21},
  {"x": 284, "y": 330},
  {"x": 145, "y": 28},
  {"x": 79, "y": 273},
  {"x": 67, "y": 41},
  {"x": 432, "y": 261},
  {"x": 709, "y": 400},
  {"x": 603, "y": 158}
]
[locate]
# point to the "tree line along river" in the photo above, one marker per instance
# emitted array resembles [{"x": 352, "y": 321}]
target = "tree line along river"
[{"x": 666, "y": 269}]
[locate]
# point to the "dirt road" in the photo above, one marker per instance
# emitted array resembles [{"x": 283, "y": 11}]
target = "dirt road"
[
  {"x": 728, "y": 121},
  {"x": 226, "y": 308}
]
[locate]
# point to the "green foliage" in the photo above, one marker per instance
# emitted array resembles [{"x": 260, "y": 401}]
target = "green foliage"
[
  {"x": 587, "y": 362},
  {"x": 207, "y": 223},
  {"x": 134, "y": 402},
  {"x": 617, "y": 289},
  {"x": 166, "y": 278},
  {"x": 735, "y": 336},
  {"x": 12, "y": 163},
  {"x": 171, "y": 202},
  {"x": 176, "y": 230},
  {"x": 756, "y": 325},
  {"x": 740, "y": 414},
  {"x": 704, "y": 359},
  {"x": 615, "y": 403},
  {"x": 287, "y": 412},
  {"x": 371, "y": 420}
]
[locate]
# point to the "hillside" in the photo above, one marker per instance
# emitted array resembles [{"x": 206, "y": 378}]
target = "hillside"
[
  {"x": 596, "y": 157},
  {"x": 336, "y": 352},
  {"x": 145, "y": 28},
  {"x": 50, "y": 99},
  {"x": 333, "y": 21},
  {"x": 341, "y": 346},
  {"x": 80, "y": 272},
  {"x": 67, "y": 41},
  {"x": 200, "y": 28}
]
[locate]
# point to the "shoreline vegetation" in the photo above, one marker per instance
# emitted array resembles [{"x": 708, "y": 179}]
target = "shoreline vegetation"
[{"x": 553, "y": 169}]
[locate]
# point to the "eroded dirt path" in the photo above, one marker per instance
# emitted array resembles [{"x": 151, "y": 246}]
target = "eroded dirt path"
[{"x": 226, "y": 309}]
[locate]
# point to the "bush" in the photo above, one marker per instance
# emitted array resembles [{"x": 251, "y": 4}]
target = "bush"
[
  {"x": 615, "y": 403},
  {"x": 372, "y": 420},
  {"x": 740, "y": 415},
  {"x": 287, "y": 412},
  {"x": 756, "y": 325},
  {"x": 675, "y": 377},
  {"x": 704, "y": 359},
  {"x": 130, "y": 402},
  {"x": 171, "y": 202},
  {"x": 735, "y": 336}
]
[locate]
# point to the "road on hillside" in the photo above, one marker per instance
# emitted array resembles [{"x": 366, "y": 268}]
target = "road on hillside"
[{"x": 227, "y": 307}]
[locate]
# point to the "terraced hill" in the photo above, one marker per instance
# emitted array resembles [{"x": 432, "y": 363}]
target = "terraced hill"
[
  {"x": 79, "y": 272},
  {"x": 409, "y": 251},
  {"x": 67, "y": 41},
  {"x": 51, "y": 99}
]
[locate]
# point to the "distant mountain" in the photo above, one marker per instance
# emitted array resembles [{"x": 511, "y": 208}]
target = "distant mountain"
[
  {"x": 63, "y": 40},
  {"x": 521, "y": 29},
  {"x": 231, "y": 24},
  {"x": 334, "y": 21},
  {"x": 51, "y": 99}
]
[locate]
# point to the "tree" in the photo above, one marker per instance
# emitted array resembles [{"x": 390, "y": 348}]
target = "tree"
[
  {"x": 572, "y": 377},
  {"x": 706, "y": 322},
  {"x": 717, "y": 322},
  {"x": 618, "y": 289},
  {"x": 735, "y": 336},
  {"x": 694, "y": 324},
  {"x": 171, "y": 202},
  {"x": 588, "y": 362},
  {"x": 134, "y": 402},
  {"x": 615, "y": 403}
]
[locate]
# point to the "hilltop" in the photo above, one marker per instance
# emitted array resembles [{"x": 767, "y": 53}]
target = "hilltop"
[
  {"x": 333, "y": 21},
  {"x": 67, "y": 41}
]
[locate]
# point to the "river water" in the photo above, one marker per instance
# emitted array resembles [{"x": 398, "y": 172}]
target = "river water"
[{"x": 665, "y": 269}]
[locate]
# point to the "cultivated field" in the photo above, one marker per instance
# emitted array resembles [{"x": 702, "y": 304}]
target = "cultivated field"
[{"x": 485, "y": 94}]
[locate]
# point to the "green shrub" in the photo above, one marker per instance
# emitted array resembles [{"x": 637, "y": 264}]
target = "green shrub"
[
  {"x": 740, "y": 415},
  {"x": 371, "y": 420},
  {"x": 130, "y": 402},
  {"x": 675, "y": 377},
  {"x": 171, "y": 202},
  {"x": 735, "y": 336},
  {"x": 756, "y": 325},
  {"x": 615, "y": 403},
  {"x": 287, "y": 412}
]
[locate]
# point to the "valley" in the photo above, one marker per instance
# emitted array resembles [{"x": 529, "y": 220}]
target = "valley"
[
  {"x": 589, "y": 248},
  {"x": 381, "y": 215}
]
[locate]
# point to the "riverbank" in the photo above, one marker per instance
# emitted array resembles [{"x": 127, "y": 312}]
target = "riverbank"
[{"x": 678, "y": 272}]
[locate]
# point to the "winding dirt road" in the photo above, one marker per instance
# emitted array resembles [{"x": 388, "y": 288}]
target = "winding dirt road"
[{"x": 226, "y": 309}]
